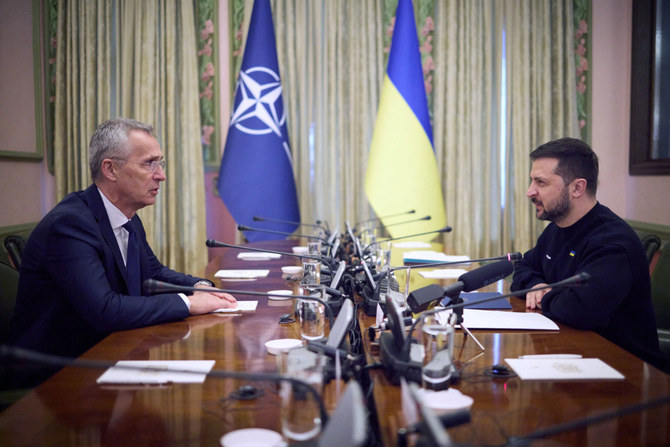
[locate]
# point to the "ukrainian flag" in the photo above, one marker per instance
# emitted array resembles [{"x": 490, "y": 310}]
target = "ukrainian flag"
[{"x": 402, "y": 171}]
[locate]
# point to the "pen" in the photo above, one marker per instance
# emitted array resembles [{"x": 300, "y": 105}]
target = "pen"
[{"x": 551, "y": 356}]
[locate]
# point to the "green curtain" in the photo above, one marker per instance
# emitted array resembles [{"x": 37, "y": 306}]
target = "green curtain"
[{"x": 137, "y": 59}]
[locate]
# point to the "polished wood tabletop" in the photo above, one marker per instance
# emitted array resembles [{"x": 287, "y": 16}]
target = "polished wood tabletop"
[{"x": 72, "y": 409}]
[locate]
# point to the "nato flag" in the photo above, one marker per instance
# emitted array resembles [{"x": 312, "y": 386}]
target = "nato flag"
[{"x": 256, "y": 174}]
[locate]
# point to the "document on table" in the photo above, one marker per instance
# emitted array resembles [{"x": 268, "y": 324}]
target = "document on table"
[
  {"x": 442, "y": 273},
  {"x": 427, "y": 256},
  {"x": 563, "y": 369},
  {"x": 151, "y": 372},
  {"x": 497, "y": 319},
  {"x": 257, "y": 256},
  {"x": 242, "y": 274},
  {"x": 242, "y": 306}
]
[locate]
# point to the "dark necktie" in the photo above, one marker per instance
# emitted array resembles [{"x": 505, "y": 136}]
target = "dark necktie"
[{"x": 133, "y": 262}]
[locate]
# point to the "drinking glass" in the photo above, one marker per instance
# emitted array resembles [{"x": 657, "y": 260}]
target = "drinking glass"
[
  {"x": 312, "y": 314},
  {"x": 438, "y": 345},
  {"x": 300, "y": 412},
  {"x": 311, "y": 269}
]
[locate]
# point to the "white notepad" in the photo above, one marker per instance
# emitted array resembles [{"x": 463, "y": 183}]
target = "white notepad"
[
  {"x": 241, "y": 274},
  {"x": 157, "y": 372},
  {"x": 498, "y": 319},
  {"x": 242, "y": 306},
  {"x": 257, "y": 256},
  {"x": 563, "y": 369},
  {"x": 442, "y": 273}
]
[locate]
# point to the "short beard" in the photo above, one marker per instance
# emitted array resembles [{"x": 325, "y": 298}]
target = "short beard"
[{"x": 560, "y": 210}]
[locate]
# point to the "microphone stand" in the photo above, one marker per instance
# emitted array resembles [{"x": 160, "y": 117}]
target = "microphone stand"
[{"x": 575, "y": 280}]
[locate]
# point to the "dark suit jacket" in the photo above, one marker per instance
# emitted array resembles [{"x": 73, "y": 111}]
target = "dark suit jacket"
[{"x": 72, "y": 287}]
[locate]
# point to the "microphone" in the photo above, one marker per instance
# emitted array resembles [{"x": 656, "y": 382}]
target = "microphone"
[
  {"x": 356, "y": 225},
  {"x": 211, "y": 243},
  {"x": 446, "y": 229},
  {"x": 154, "y": 286},
  {"x": 267, "y": 219},
  {"x": 262, "y": 230},
  {"x": 395, "y": 346},
  {"x": 578, "y": 280},
  {"x": 420, "y": 299}
]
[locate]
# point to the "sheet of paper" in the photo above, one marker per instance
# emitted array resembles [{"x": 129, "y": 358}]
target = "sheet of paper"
[
  {"x": 498, "y": 319},
  {"x": 157, "y": 372},
  {"x": 257, "y": 256},
  {"x": 563, "y": 369},
  {"x": 425, "y": 256},
  {"x": 243, "y": 274},
  {"x": 411, "y": 244},
  {"x": 242, "y": 306},
  {"x": 442, "y": 273}
]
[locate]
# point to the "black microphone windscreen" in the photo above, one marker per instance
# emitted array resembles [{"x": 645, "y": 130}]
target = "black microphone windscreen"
[
  {"x": 212, "y": 243},
  {"x": 153, "y": 286},
  {"x": 419, "y": 299},
  {"x": 485, "y": 275}
]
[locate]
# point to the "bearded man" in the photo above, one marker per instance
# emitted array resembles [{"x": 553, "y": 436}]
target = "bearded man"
[{"x": 585, "y": 236}]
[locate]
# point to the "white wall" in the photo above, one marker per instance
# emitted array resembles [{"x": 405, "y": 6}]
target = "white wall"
[
  {"x": 640, "y": 198},
  {"x": 26, "y": 188}
]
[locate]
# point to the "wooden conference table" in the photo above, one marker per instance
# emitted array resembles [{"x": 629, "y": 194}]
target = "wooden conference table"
[{"x": 71, "y": 409}]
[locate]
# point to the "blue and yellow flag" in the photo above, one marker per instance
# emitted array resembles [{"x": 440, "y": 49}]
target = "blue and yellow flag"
[
  {"x": 256, "y": 173},
  {"x": 402, "y": 171}
]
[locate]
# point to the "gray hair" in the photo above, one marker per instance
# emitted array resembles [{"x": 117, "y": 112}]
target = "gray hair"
[{"x": 110, "y": 141}]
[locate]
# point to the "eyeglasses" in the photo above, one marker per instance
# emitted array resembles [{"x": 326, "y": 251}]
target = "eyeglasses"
[{"x": 154, "y": 164}]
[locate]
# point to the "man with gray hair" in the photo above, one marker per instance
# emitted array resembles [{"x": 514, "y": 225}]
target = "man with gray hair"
[{"x": 85, "y": 262}]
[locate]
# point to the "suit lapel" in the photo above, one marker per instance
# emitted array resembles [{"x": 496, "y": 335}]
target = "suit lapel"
[{"x": 98, "y": 209}]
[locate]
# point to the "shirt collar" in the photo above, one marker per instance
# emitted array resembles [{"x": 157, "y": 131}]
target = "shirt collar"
[{"x": 116, "y": 217}]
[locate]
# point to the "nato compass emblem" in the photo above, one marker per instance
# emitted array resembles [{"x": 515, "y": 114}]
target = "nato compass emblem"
[{"x": 259, "y": 109}]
